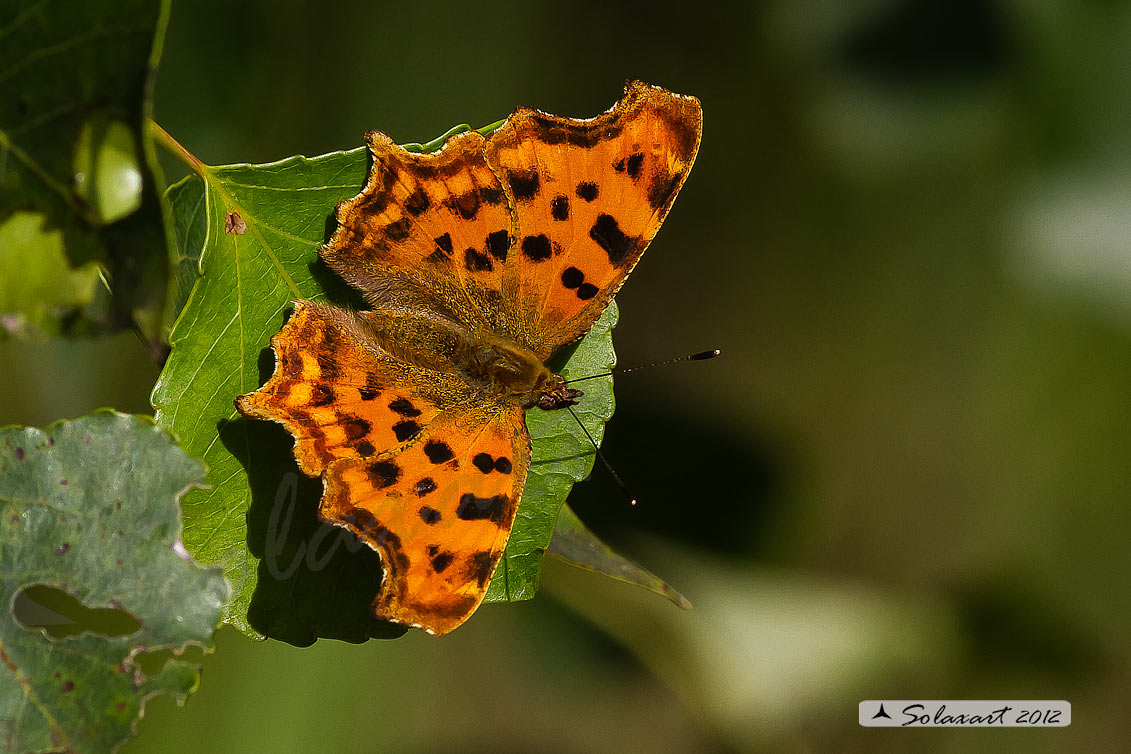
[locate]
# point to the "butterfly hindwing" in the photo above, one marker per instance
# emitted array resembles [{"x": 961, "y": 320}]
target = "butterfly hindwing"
[{"x": 439, "y": 510}]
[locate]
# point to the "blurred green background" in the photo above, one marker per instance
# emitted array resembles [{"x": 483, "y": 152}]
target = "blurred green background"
[{"x": 909, "y": 231}]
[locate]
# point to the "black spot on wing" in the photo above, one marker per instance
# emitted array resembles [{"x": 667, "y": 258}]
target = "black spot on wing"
[
  {"x": 587, "y": 190},
  {"x": 406, "y": 430},
  {"x": 441, "y": 561},
  {"x": 476, "y": 261},
  {"x": 608, "y": 235},
  {"x": 438, "y": 451},
  {"x": 480, "y": 566},
  {"x": 424, "y": 486},
  {"x": 383, "y": 473},
  {"x": 559, "y": 208},
  {"x": 572, "y": 277},
  {"x": 633, "y": 165},
  {"x": 321, "y": 395},
  {"x": 417, "y": 202},
  {"x": 662, "y": 189},
  {"x": 444, "y": 243},
  {"x": 404, "y": 407},
  {"x": 365, "y": 448},
  {"x": 474, "y": 508},
  {"x": 498, "y": 243},
  {"x": 536, "y": 248},
  {"x": 484, "y": 462},
  {"x": 524, "y": 184},
  {"x": 398, "y": 231},
  {"x": 429, "y": 515},
  {"x": 370, "y": 391},
  {"x": 464, "y": 205},
  {"x": 355, "y": 427},
  {"x": 491, "y": 195}
]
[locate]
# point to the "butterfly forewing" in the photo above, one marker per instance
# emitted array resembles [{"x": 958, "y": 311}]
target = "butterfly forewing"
[
  {"x": 588, "y": 197},
  {"x": 429, "y": 229}
]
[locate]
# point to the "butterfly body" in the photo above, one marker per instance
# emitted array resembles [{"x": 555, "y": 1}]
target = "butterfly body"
[
  {"x": 493, "y": 365},
  {"x": 480, "y": 262},
  {"x": 502, "y": 367}
]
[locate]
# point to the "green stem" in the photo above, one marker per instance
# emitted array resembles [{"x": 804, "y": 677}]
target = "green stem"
[{"x": 173, "y": 147}]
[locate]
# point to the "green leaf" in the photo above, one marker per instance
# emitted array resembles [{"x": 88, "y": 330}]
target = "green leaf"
[
  {"x": 576, "y": 545},
  {"x": 90, "y": 507},
  {"x": 187, "y": 225},
  {"x": 74, "y": 92},
  {"x": 37, "y": 285},
  {"x": 294, "y": 578}
]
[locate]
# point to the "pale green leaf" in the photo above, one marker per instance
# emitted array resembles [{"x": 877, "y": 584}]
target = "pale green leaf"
[{"x": 90, "y": 507}]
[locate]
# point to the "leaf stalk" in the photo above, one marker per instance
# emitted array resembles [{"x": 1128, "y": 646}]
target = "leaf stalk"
[{"x": 174, "y": 147}]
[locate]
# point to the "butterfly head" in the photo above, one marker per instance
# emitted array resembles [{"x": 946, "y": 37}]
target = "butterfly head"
[{"x": 556, "y": 394}]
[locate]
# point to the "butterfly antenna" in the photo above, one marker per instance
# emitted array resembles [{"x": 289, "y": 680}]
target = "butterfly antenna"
[
  {"x": 702, "y": 355},
  {"x": 616, "y": 477}
]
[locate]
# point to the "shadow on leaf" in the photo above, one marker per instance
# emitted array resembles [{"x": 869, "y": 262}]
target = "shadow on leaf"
[
  {"x": 338, "y": 292},
  {"x": 315, "y": 581}
]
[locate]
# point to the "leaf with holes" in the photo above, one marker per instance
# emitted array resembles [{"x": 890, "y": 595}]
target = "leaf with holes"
[
  {"x": 256, "y": 230},
  {"x": 74, "y": 92},
  {"x": 90, "y": 507}
]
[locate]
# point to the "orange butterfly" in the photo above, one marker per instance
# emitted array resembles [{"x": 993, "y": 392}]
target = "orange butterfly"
[{"x": 480, "y": 260}]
